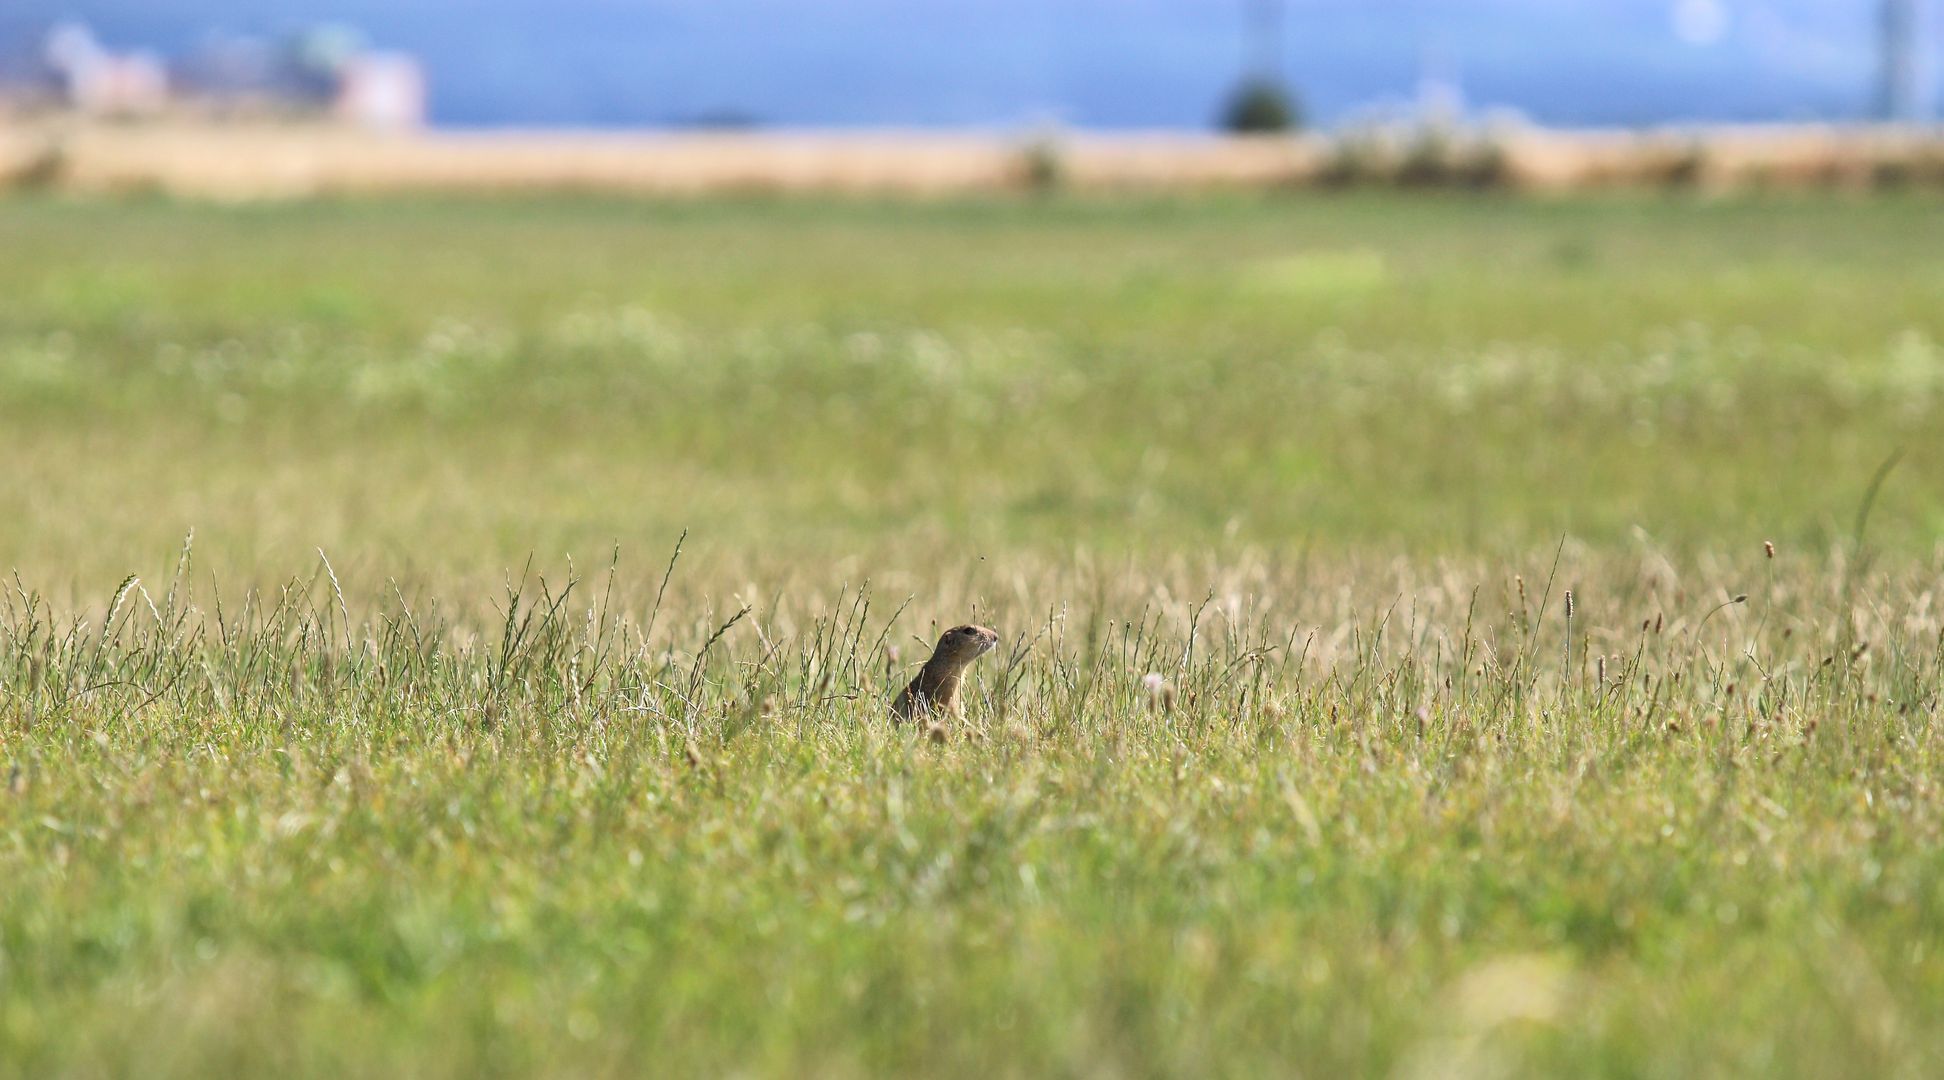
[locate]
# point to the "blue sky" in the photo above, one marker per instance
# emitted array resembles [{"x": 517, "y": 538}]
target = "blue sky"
[{"x": 1088, "y": 63}]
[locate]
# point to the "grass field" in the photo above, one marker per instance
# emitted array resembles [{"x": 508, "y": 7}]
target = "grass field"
[{"x": 428, "y": 755}]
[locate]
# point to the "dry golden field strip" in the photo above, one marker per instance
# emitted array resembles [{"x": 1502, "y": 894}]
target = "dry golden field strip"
[{"x": 253, "y": 162}]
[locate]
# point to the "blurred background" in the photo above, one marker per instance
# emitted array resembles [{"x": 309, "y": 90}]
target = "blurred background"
[
  {"x": 1089, "y": 64},
  {"x": 459, "y": 382}
]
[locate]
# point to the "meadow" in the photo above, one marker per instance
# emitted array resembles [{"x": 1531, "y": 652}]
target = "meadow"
[{"x": 1443, "y": 637}]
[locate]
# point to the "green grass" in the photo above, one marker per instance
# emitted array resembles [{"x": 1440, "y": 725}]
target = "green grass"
[{"x": 479, "y": 795}]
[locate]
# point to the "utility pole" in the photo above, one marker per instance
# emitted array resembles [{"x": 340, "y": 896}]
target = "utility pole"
[
  {"x": 1266, "y": 44},
  {"x": 1899, "y": 94}
]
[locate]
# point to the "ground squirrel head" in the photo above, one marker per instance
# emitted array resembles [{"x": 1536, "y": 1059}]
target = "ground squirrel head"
[{"x": 963, "y": 644}]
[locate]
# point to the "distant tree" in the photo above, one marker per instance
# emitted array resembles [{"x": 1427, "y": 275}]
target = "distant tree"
[{"x": 1262, "y": 106}]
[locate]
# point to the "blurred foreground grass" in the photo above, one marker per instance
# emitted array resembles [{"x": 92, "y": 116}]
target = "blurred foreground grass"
[{"x": 1325, "y": 468}]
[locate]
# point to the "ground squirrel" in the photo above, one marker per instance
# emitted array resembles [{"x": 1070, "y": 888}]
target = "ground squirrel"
[{"x": 935, "y": 692}]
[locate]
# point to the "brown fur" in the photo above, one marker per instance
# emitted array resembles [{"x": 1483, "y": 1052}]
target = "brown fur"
[{"x": 935, "y": 692}]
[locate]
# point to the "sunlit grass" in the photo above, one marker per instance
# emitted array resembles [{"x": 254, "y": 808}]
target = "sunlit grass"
[{"x": 1291, "y": 760}]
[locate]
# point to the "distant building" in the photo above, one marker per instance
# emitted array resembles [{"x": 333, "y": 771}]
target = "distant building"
[
  {"x": 381, "y": 92},
  {"x": 230, "y": 73},
  {"x": 92, "y": 80},
  {"x": 324, "y": 73}
]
